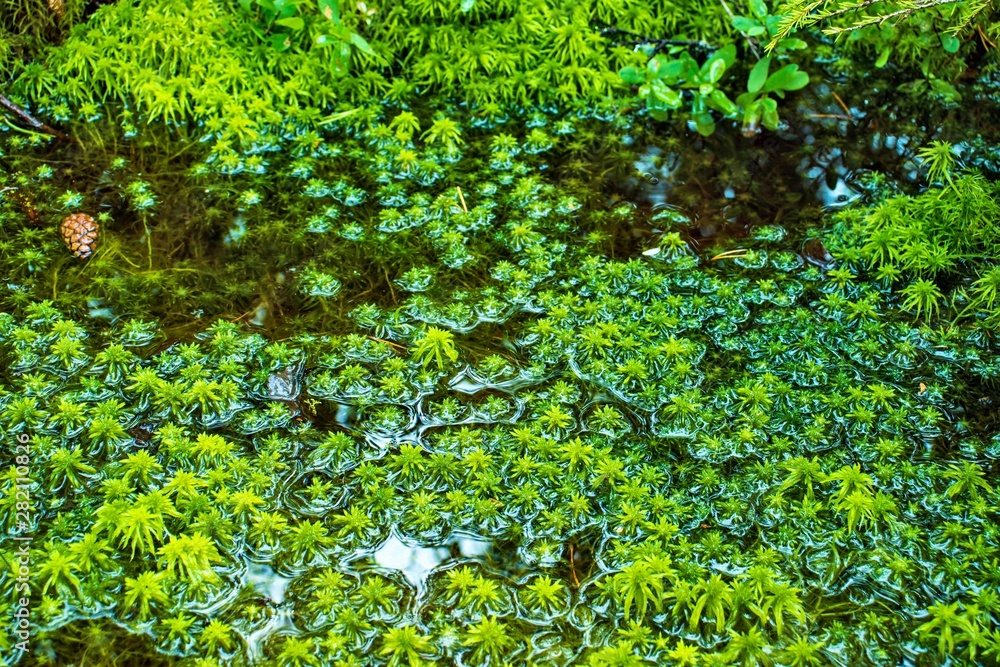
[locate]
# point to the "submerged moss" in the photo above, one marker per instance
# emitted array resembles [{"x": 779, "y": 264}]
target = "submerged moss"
[
  {"x": 465, "y": 379},
  {"x": 672, "y": 458}
]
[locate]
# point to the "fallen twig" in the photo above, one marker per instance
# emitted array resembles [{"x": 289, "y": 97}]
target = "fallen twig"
[
  {"x": 842, "y": 104},
  {"x": 830, "y": 115},
  {"x": 607, "y": 30},
  {"x": 31, "y": 120},
  {"x": 572, "y": 567},
  {"x": 730, "y": 254}
]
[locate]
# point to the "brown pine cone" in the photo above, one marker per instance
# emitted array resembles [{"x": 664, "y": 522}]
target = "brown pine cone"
[{"x": 80, "y": 231}]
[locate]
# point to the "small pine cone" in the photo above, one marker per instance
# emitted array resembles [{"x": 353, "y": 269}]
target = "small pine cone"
[{"x": 79, "y": 231}]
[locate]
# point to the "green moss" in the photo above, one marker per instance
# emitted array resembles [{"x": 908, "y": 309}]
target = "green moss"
[
  {"x": 694, "y": 524},
  {"x": 938, "y": 248},
  {"x": 401, "y": 367}
]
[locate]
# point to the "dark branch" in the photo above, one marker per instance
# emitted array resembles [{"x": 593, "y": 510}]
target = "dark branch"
[
  {"x": 28, "y": 119},
  {"x": 635, "y": 39}
]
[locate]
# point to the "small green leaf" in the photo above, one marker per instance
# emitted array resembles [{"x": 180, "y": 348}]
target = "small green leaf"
[
  {"x": 950, "y": 43},
  {"x": 751, "y": 119},
  {"x": 770, "y": 121},
  {"x": 883, "y": 57},
  {"x": 713, "y": 68},
  {"x": 946, "y": 90},
  {"x": 330, "y": 9},
  {"x": 744, "y": 23},
  {"x": 656, "y": 65},
  {"x": 716, "y": 70},
  {"x": 280, "y": 42},
  {"x": 682, "y": 68},
  {"x": 632, "y": 75},
  {"x": 663, "y": 96},
  {"x": 751, "y": 27},
  {"x": 758, "y": 8},
  {"x": 727, "y": 53},
  {"x": 360, "y": 42},
  {"x": 723, "y": 103},
  {"x": 467, "y": 5},
  {"x": 791, "y": 44},
  {"x": 758, "y": 75},
  {"x": 704, "y": 124},
  {"x": 293, "y": 23},
  {"x": 787, "y": 78}
]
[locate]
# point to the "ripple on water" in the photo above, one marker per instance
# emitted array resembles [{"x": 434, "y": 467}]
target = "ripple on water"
[
  {"x": 272, "y": 586},
  {"x": 417, "y": 562}
]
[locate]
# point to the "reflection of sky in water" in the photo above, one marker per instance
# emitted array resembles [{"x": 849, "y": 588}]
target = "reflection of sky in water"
[
  {"x": 416, "y": 562},
  {"x": 266, "y": 581},
  {"x": 271, "y": 585}
]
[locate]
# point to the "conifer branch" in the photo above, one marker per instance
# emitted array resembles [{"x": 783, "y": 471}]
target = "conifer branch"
[{"x": 879, "y": 20}]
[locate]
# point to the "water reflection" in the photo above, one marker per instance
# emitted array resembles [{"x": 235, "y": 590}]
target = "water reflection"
[
  {"x": 266, "y": 581},
  {"x": 416, "y": 562}
]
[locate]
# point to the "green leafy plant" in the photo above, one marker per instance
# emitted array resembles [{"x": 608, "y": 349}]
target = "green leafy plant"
[
  {"x": 668, "y": 84},
  {"x": 282, "y": 23},
  {"x": 759, "y": 108}
]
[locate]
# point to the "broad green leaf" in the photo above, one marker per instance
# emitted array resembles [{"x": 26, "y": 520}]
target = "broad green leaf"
[
  {"x": 341, "y": 58},
  {"x": 292, "y": 23},
  {"x": 697, "y": 103},
  {"x": 758, "y": 8},
  {"x": 723, "y": 103},
  {"x": 787, "y": 78},
  {"x": 704, "y": 124},
  {"x": 791, "y": 44},
  {"x": 769, "y": 118},
  {"x": 950, "y": 43},
  {"x": 280, "y": 42},
  {"x": 683, "y": 68},
  {"x": 631, "y": 74},
  {"x": 713, "y": 68},
  {"x": 330, "y": 9},
  {"x": 717, "y": 69},
  {"x": 360, "y": 42},
  {"x": 662, "y": 95},
  {"x": 758, "y": 75},
  {"x": 750, "y": 26},
  {"x": 656, "y": 64},
  {"x": 751, "y": 119},
  {"x": 946, "y": 90},
  {"x": 727, "y": 54}
]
